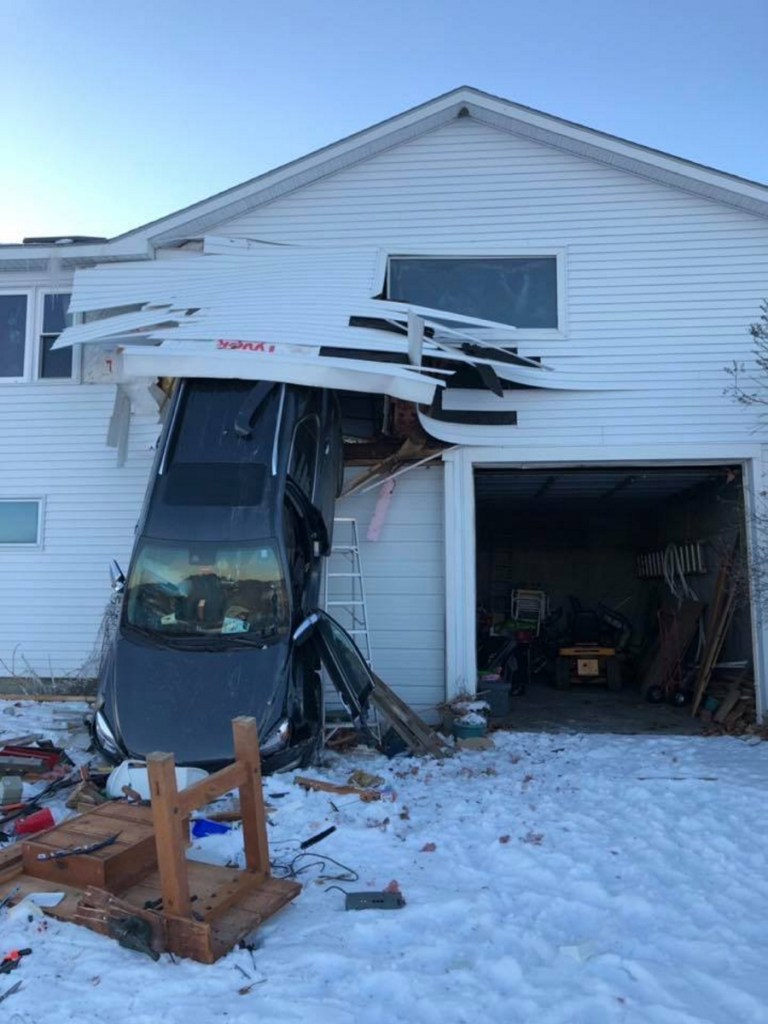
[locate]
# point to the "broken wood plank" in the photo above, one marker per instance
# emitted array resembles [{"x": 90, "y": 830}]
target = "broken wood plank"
[
  {"x": 367, "y": 795},
  {"x": 413, "y": 730},
  {"x": 728, "y": 703}
]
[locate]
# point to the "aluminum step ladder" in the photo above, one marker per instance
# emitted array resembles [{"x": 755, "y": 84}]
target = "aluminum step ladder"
[{"x": 345, "y": 601}]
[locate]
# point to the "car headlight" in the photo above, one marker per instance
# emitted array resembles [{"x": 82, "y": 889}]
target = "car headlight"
[
  {"x": 278, "y": 738},
  {"x": 105, "y": 736}
]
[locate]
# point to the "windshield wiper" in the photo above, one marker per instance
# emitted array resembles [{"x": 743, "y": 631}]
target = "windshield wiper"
[{"x": 162, "y": 639}]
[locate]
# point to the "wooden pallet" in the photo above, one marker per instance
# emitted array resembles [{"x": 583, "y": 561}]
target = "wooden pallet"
[{"x": 188, "y": 908}]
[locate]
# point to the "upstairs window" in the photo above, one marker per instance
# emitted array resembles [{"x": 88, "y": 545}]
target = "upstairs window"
[
  {"x": 30, "y": 322},
  {"x": 13, "y": 335},
  {"x": 517, "y": 290},
  {"x": 55, "y": 364}
]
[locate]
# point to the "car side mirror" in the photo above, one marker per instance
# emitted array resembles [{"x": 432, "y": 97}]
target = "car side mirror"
[{"x": 117, "y": 576}]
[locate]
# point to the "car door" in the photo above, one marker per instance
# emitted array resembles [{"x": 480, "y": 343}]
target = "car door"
[{"x": 341, "y": 659}]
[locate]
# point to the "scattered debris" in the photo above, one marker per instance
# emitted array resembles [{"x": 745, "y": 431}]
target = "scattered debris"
[
  {"x": 367, "y": 795},
  {"x": 362, "y": 780},
  {"x": 415, "y": 733},
  {"x": 533, "y": 838},
  {"x": 384, "y": 900},
  {"x": 85, "y": 795},
  {"x": 133, "y": 881},
  {"x": 10, "y": 991}
]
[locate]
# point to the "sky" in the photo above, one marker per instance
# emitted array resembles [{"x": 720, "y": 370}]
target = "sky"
[{"x": 119, "y": 113}]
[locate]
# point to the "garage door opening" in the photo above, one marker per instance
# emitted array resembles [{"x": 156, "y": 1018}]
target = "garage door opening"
[{"x": 614, "y": 599}]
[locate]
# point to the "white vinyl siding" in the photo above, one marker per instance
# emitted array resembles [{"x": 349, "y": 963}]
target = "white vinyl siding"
[
  {"x": 52, "y": 597},
  {"x": 660, "y": 285},
  {"x": 404, "y": 575}
]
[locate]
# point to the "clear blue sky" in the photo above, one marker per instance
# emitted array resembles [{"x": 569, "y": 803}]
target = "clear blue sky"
[{"x": 116, "y": 113}]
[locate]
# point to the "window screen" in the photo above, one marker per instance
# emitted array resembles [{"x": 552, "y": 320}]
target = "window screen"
[
  {"x": 521, "y": 291},
  {"x": 55, "y": 319},
  {"x": 13, "y": 330},
  {"x": 19, "y": 522}
]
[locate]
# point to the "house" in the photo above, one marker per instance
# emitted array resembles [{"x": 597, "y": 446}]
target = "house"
[{"x": 630, "y": 275}]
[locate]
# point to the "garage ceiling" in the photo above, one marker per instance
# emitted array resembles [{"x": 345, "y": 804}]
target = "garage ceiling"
[{"x": 549, "y": 489}]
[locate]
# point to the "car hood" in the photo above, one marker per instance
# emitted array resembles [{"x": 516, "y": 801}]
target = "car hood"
[{"x": 183, "y": 701}]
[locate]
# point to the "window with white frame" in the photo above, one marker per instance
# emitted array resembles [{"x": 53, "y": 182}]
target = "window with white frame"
[
  {"x": 517, "y": 290},
  {"x": 20, "y": 521},
  {"x": 30, "y": 322},
  {"x": 58, "y": 363},
  {"x": 13, "y": 335}
]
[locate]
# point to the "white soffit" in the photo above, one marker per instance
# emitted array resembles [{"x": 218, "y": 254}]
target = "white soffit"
[{"x": 207, "y": 315}]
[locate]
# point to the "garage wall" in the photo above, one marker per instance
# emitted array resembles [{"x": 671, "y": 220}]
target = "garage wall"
[
  {"x": 600, "y": 568},
  {"x": 404, "y": 573}
]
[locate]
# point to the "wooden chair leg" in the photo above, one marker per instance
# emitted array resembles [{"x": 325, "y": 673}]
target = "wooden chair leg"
[
  {"x": 169, "y": 824},
  {"x": 246, "y": 739}
]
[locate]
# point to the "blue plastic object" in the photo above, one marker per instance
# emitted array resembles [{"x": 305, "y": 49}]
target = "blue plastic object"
[{"x": 202, "y": 827}]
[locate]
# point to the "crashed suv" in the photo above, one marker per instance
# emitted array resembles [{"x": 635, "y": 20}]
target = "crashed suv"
[{"x": 219, "y": 612}]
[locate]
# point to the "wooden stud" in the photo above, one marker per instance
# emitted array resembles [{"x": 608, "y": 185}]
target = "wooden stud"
[
  {"x": 169, "y": 819},
  {"x": 246, "y": 738}
]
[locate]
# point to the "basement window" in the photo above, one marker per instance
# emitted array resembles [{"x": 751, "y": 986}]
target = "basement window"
[
  {"x": 20, "y": 522},
  {"x": 517, "y": 290}
]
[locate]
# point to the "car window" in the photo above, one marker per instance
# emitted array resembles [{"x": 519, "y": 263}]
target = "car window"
[
  {"x": 345, "y": 664},
  {"x": 207, "y": 589},
  {"x": 296, "y": 552},
  {"x": 303, "y": 462}
]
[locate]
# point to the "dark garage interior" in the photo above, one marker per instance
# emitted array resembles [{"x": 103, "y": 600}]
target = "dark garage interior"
[{"x": 614, "y": 599}]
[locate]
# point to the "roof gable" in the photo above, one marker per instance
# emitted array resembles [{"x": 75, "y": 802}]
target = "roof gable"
[
  {"x": 465, "y": 101},
  {"x": 200, "y": 218}
]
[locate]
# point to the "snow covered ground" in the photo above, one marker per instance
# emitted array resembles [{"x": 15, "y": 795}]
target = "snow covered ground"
[{"x": 553, "y": 879}]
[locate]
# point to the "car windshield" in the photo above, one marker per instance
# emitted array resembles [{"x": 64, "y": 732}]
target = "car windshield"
[{"x": 178, "y": 590}]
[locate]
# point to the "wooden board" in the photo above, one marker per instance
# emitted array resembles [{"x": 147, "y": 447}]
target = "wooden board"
[
  {"x": 132, "y": 855},
  {"x": 688, "y": 616},
  {"x": 413, "y": 730},
  {"x": 227, "y": 915}
]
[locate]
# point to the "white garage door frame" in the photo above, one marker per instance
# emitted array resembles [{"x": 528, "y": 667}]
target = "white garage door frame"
[{"x": 460, "y": 537}]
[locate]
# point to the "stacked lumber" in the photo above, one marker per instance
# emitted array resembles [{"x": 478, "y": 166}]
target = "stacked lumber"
[
  {"x": 719, "y": 618},
  {"x": 729, "y": 706}
]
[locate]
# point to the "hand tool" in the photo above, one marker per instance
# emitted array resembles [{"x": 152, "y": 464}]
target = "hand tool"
[{"x": 77, "y": 851}]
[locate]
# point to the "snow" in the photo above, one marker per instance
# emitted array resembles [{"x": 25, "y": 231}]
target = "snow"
[{"x": 555, "y": 879}]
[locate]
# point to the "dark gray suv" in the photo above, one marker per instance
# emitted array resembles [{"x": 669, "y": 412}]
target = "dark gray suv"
[{"x": 219, "y": 612}]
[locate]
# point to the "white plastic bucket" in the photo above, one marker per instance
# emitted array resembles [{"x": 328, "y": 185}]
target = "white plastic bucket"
[{"x": 135, "y": 775}]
